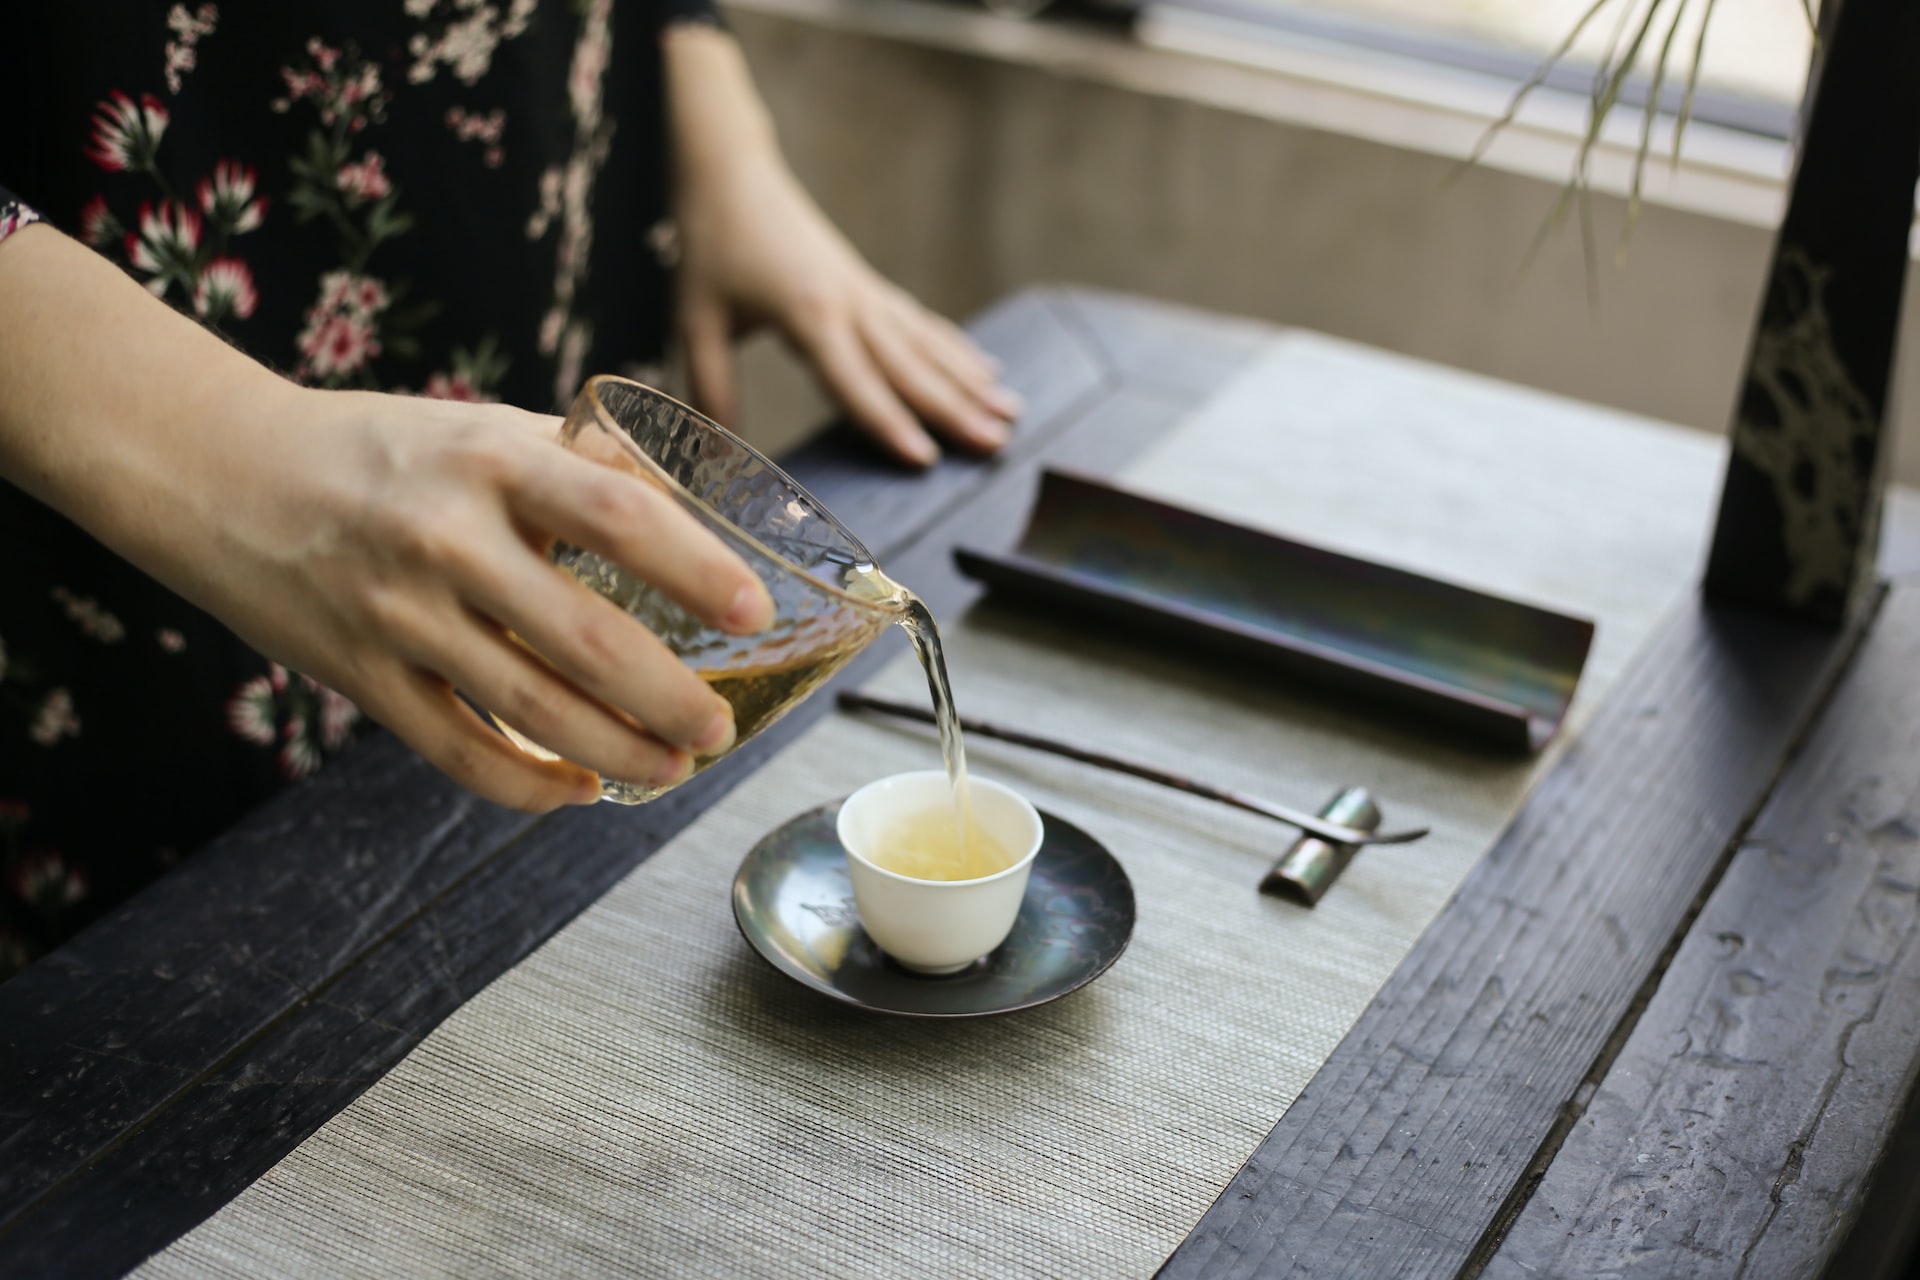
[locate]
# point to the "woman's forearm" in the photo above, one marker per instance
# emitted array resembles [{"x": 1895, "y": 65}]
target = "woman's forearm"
[
  {"x": 755, "y": 248},
  {"x": 115, "y": 409},
  {"x": 714, "y": 113},
  {"x": 390, "y": 546}
]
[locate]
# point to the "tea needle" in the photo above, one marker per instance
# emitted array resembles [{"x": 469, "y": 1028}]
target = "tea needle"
[{"x": 853, "y": 700}]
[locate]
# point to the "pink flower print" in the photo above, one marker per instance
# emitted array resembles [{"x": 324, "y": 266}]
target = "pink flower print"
[
  {"x": 592, "y": 52},
  {"x": 188, "y": 30},
  {"x": 126, "y": 134},
  {"x": 549, "y": 204},
  {"x": 55, "y": 719},
  {"x": 92, "y": 620},
  {"x": 14, "y": 813},
  {"x": 290, "y": 708},
  {"x": 250, "y": 711},
  {"x": 13, "y": 216},
  {"x": 472, "y": 376},
  {"x": 3, "y": 659},
  {"x": 225, "y": 288},
  {"x": 298, "y": 754},
  {"x": 361, "y": 296},
  {"x": 362, "y": 86},
  {"x": 451, "y": 386},
  {"x": 324, "y": 56},
  {"x": 228, "y": 199},
  {"x": 45, "y": 880},
  {"x": 365, "y": 180},
  {"x": 482, "y": 129},
  {"x": 339, "y": 345},
  {"x": 98, "y": 226},
  {"x": 180, "y": 60},
  {"x": 300, "y": 84},
  {"x": 165, "y": 245},
  {"x": 342, "y": 333},
  {"x": 170, "y": 640},
  {"x": 336, "y": 290},
  {"x": 344, "y": 86},
  {"x": 338, "y": 715}
]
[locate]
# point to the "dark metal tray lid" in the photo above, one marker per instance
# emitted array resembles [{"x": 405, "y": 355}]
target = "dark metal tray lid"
[{"x": 1462, "y": 660}]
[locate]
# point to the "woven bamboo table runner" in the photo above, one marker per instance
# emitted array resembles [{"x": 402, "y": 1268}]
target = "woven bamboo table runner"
[{"x": 644, "y": 1096}]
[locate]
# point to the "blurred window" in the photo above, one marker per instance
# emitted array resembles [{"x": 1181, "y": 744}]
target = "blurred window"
[{"x": 1752, "y": 74}]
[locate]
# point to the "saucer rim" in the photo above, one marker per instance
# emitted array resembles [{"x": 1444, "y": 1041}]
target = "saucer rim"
[{"x": 780, "y": 961}]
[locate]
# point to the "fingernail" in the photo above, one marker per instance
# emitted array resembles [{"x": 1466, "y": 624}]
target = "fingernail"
[
  {"x": 718, "y": 737},
  {"x": 923, "y": 452},
  {"x": 751, "y": 610},
  {"x": 992, "y": 432},
  {"x": 587, "y": 791},
  {"x": 675, "y": 769},
  {"x": 1005, "y": 402}
]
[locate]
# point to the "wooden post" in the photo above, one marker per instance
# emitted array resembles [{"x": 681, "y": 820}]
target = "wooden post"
[{"x": 1799, "y": 519}]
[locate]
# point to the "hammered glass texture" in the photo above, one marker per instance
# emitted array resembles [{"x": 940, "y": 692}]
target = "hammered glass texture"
[{"x": 806, "y": 558}]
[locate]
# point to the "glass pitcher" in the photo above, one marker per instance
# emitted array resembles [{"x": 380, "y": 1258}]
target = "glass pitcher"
[{"x": 830, "y": 599}]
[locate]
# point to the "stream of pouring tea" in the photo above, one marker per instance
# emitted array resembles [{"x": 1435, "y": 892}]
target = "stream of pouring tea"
[{"x": 961, "y": 852}]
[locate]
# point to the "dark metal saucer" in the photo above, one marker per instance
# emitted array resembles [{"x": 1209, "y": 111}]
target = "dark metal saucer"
[{"x": 794, "y": 904}]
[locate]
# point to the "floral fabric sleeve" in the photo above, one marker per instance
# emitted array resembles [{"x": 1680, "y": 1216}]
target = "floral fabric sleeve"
[
  {"x": 14, "y": 213},
  {"x": 428, "y": 196}
]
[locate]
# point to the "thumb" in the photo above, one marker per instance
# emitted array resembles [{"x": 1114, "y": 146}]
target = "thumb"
[{"x": 710, "y": 364}]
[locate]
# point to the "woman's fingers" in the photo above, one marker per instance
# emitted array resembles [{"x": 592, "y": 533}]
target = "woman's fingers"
[
  {"x": 516, "y": 683},
  {"x": 933, "y": 392},
  {"x": 957, "y": 355},
  {"x": 641, "y": 527},
  {"x": 709, "y": 345},
  {"x": 591, "y": 656},
  {"x": 849, "y": 371},
  {"x": 424, "y": 710}
]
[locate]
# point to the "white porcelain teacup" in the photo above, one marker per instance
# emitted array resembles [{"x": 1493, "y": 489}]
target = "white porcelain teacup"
[{"x": 936, "y": 926}]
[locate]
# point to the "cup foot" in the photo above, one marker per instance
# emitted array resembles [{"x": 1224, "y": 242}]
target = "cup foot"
[{"x": 935, "y": 971}]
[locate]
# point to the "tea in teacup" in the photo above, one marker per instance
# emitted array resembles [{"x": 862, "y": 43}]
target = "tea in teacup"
[
  {"x": 925, "y": 844},
  {"x": 937, "y": 925}
]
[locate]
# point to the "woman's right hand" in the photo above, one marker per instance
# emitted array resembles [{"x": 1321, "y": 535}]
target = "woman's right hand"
[
  {"x": 391, "y": 547},
  {"x": 395, "y": 549}
]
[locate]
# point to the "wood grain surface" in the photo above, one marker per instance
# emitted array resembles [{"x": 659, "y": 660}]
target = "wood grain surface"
[
  {"x": 1731, "y": 1134},
  {"x": 1421, "y": 1131}
]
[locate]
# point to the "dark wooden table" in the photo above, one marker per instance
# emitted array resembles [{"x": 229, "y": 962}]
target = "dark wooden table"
[{"x": 1670, "y": 1025}]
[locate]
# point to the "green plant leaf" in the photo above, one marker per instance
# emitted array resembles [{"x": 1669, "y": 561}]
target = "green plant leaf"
[
  {"x": 1533, "y": 82},
  {"x": 1648, "y": 114},
  {"x": 1693, "y": 82}
]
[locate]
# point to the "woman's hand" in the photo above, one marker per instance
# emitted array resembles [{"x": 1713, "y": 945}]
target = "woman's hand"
[
  {"x": 395, "y": 549},
  {"x": 391, "y": 547},
  {"x": 754, "y": 248}
]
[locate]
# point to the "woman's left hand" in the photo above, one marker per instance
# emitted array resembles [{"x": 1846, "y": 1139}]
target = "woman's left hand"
[{"x": 754, "y": 248}]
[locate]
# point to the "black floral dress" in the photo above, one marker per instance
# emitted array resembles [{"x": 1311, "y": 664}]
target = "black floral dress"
[{"x": 458, "y": 198}]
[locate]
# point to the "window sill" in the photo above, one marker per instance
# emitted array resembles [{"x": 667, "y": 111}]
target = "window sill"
[{"x": 1233, "y": 66}]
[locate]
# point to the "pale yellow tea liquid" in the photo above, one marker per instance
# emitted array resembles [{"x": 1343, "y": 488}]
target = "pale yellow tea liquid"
[
  {"x": 761, "y": 695},
  {"x": 927, "y": 846}
]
